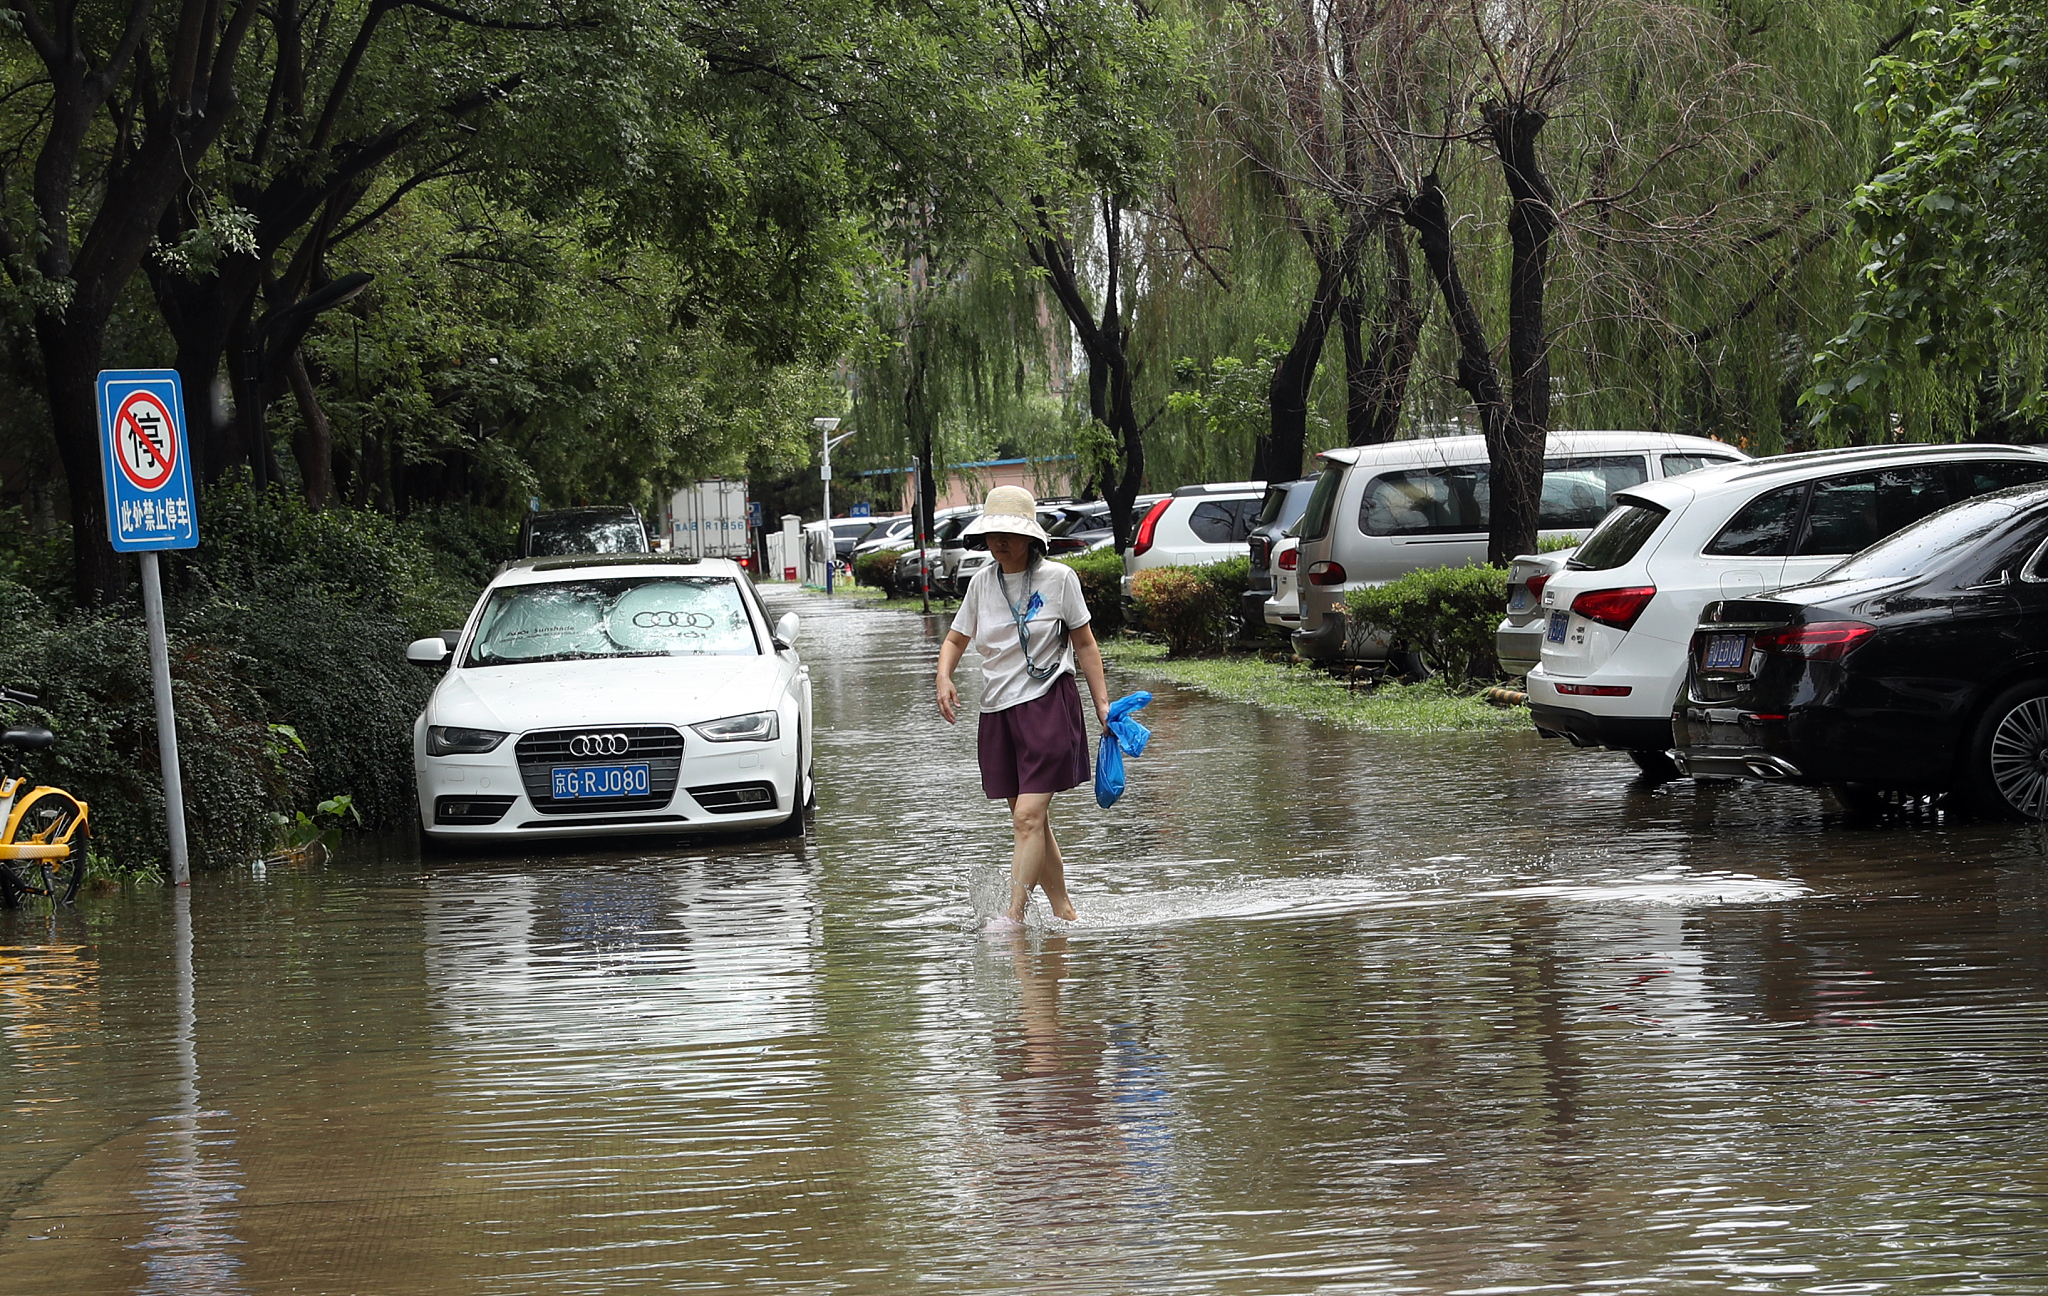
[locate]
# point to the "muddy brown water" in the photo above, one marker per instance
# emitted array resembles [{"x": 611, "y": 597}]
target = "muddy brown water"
[{"x": 1344, "y": 1013}]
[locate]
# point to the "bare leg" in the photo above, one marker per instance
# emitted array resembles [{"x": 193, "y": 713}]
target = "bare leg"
[{"x": 1036, "y": 859}]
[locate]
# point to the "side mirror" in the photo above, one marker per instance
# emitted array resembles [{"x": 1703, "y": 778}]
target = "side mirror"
[
  {"x": 431, "y": 651},
  {"x": 452, "y": 637},
  {"x": 785, "y": 630}
]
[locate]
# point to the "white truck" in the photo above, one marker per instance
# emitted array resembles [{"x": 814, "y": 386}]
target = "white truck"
[{"x": 709, "y": 520}]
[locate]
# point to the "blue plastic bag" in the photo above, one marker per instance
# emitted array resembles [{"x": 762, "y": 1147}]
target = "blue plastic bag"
[{"x": 1121, "y": 737}]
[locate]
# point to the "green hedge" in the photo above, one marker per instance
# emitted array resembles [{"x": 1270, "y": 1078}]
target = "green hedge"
[
  {"x": 1177, "y": 603},
  {"x": 1449, "y": 614},
  {"x": 1102, "y": 587},
  {"x": 877, "y": 568},
  {"x": 283, "y": 618}
]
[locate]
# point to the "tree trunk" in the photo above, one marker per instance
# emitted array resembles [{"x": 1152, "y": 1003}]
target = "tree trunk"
[
  {"x": 1376, "y": 384},
  {"x": 1516, "y": 453},
  {"x": 1277, "y": 455},
  {"x": 313, "y": 446},
  {"x": 71, "y": 364}
]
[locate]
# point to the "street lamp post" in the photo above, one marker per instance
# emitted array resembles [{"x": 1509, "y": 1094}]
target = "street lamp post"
[{"x": 826, "y": 427}]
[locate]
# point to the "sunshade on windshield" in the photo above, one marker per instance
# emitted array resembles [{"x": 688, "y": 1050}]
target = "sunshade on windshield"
[{"x": 648, "y": 616}]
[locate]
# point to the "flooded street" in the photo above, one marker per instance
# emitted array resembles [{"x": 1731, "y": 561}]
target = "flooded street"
[{"x": 1343, "y": 1013}]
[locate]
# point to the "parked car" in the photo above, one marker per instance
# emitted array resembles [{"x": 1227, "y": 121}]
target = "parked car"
[
  {"x": 1281, "y": 508},
  {"x": 607, "y": 529},
  {"x": 610, "y": 694},
  {"x": 1621, "y": 613},
  {"x": 1079, "y": 528},
  {"x": 1195, "y": 526},
  {"x": 1518, "y": 643},
  {"x": 888, "y": 533},
  {"x": 946, "y": 523},
  {"x": 848, "y": 532},
  {"x": 1919, "y": 665},
  {"x": 1380, "y": 512},
  {"x": 1282, "y": 608}
]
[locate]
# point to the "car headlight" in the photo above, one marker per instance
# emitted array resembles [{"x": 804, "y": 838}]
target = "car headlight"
[
  {"x": 447, "y": 740},
  {"x": 756, "y": 726}
]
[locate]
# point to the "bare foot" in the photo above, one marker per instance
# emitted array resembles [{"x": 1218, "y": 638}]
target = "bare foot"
[{"x": 1062, "y": 908}]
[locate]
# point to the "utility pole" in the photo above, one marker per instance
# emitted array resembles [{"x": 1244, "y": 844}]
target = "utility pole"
[{"x": 826, "y": 427}]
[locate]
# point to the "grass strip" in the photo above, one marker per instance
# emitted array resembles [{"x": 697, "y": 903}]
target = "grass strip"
[{"x": 1398, "y": 708}]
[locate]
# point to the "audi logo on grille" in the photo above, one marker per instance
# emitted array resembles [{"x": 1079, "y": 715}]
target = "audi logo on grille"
[{"x": 599, "y": 744}]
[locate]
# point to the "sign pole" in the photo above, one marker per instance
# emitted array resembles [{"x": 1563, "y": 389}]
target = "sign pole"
[
  {"x": 151, "y": 505},
  {"x": 166, "y": 720}
]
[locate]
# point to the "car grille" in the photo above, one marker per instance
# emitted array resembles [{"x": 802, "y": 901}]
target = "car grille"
[{"x": 660, "y": 746}]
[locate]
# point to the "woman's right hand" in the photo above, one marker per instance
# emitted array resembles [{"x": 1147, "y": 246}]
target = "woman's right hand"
[{"x": 949, "y": 699}]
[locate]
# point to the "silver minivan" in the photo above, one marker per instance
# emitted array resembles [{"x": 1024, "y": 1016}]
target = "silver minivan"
[{"x": 1380, "y": 512}]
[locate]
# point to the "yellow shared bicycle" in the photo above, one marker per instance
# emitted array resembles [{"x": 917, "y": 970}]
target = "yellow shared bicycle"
[{"x": 42, "y": 829}]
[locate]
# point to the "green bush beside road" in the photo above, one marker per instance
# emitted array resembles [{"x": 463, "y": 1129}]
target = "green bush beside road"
[
  {"x": 1448, "y": 614},
  {"x": 1102, "y": 588}
]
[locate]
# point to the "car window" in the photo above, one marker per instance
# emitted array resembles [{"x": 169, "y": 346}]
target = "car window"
[
  {"x": 1761, "y": 528},
  {"x": 649, "y": 616},
  {"x": 1982, "y": 478},
  {"x": 1322, "y": 503},
  {"x": 1677, "y": 465},
  {"x": 1620, "y": 537},
  {"x": 556, "y": 536},
  {"x": 1577, "y": 493},
  {"x": 1919, "y": 549},
  {"x": 1223, "y": 521},
  {"x": 1425, "y": 501},
  {"x": 1847, "y": 514}
]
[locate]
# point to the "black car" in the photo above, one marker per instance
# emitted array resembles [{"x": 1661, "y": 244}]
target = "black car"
[
  {"x": 603, "y": 529},
  {"x": 1283, "y": 506},
  {"x": 1919, "y": 665}
]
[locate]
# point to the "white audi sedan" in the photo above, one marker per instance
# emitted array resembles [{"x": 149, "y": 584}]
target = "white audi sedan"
[{"x": 604, "y": 694}]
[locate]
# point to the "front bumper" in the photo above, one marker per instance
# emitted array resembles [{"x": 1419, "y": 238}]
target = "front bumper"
[{"x": 715, "y": 788}]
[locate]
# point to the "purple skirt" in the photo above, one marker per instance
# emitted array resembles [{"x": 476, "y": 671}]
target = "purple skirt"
[{"x": 1036, "y": 746}]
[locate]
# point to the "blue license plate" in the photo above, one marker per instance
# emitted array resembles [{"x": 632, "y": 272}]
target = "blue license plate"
[
  {"x": 1558, "y": 622},
  {"x": 1725, "y": 652},
  {"x": 574, "y": 782},
  {"x": 1518, "y": 598}
]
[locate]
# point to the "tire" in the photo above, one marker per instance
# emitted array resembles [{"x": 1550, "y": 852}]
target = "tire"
[
  {"x": 2008, "y": 770},
  {"x": 51, "y": 817},
  {"x": 1655, "y": 765},
  {"x": 800, "y": 796},
  {"x": 1409, "y": 665}
]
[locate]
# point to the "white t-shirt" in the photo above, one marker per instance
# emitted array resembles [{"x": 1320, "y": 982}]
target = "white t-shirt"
[{"x": 1048, "y": 596}]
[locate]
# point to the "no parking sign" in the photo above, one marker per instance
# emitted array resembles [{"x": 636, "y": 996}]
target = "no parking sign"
[{"x": 145, "y": 461}]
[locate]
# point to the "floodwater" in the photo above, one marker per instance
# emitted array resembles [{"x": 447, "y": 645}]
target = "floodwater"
[{"x": 1344, "y": 1013}]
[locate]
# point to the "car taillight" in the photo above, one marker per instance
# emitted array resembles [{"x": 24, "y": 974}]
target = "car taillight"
[
  {"x": 1816, "y": 640},
  {"x": 1145, "y": 528},
  {"x": 1262, "y": 553},
  {"x": 1290, "y": 559},
  {"x": 1616, "y": 607},
  {"x": 1536, "y": 584},
  {"x": 1326, "y": 573}
]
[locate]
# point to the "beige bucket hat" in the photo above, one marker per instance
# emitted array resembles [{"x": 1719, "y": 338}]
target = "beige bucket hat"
[{"x": 1008, "y": 508}]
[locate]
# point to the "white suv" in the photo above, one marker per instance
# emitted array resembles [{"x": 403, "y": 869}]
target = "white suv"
[
  {"x": 1195, "y": 526},
  {"x": 1619, "y": 617}
]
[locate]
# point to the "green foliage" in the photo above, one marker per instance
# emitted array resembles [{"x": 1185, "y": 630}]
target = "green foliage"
[
  {"x": 1952, "y": 272},
  {"x": 1553, "y": 544},
  {"x": 1228, "y": 399},
  {"x": 91, "y": 674},
  {"x": 1178, "y": 603},
  {"x": 1449, "y": 614},
  {"x": 1102, "y": 588},
  {"x": 1230, "y": 579},
  {"x": 299, "y": 833},
  {"x": 875, "y": 568}
]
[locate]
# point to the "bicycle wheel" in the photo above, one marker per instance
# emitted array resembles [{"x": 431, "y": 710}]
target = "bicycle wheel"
[{"x": 51, "y": 816}]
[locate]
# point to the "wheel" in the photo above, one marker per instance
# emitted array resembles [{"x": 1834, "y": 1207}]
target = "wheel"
[
  {"x": 800, "y": 795},
  {"x": 2008, "y": 772},
  {"x": 48, "y": 817},
  {"x": 1654, "y": 764},
  {"x": 1409, "y": 665}
]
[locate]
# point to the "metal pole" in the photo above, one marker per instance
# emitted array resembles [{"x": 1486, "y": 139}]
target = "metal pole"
[
  {"x": 166, "y": 720},
  {"x": 924, "y": 558},
  {"x": 831, "y": 541}
]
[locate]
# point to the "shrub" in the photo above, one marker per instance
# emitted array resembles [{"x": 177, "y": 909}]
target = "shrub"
[
  {"x": 1178, "y": 603},
  {"x": 1449, "y": 614},
  {"x": 875, "y": 568},
  {"x": 1102, "y": 587},
  {"x": 1230, "y": 579},
  {"x": 91, "y": 672}
]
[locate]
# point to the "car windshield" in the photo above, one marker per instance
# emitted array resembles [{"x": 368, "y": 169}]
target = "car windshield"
[
  {"x": 569, "y": 533},
  {"x": 1955, "y": 531},
  {"x": 1080, "y": 520},
  {"x": 646, "y": 616},
  {"x": 1619, "y": 538}
]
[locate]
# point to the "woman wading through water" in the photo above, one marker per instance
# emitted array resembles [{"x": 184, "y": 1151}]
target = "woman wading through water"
[{"x": 1026, "y": 617}]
